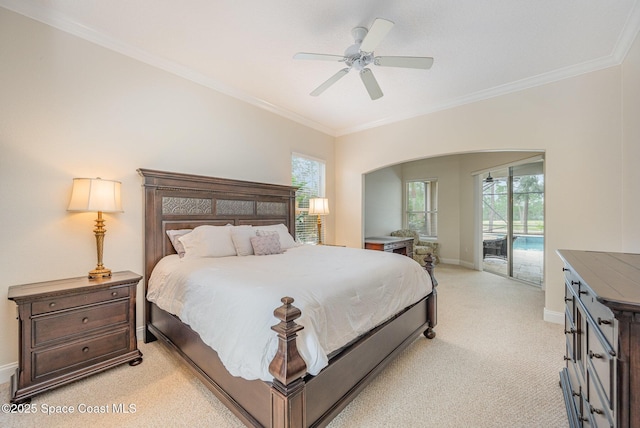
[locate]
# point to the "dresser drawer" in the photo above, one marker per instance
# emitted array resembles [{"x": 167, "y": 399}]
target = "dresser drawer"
[
  {"x": 81, "y": 321},
  {"x": 572, "y": 280},
  {"x": 574, "y": 379},
  {"x": 598, "y": 408},
  {"x": 602, "y": 362},
  {"x": 601, "y": 315},
  {"x": 570, "y": 302},
  {"x": 570, "y": 334},
  {"x": 394, "y": 246},
  {"x": 66, "y": 302},
  {"x": 62, "y": 359}
]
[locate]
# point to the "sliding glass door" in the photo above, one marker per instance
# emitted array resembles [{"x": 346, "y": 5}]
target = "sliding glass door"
[{"x": 513, "y": 222}]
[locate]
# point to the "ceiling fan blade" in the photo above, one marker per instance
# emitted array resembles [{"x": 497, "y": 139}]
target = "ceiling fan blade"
[
  {"x": 333, "y": 79},
  {"x": 376, "y": 33},
  {"x": 321, "y": 57},
  {"x": 371, "y": 84},
  {"x": 424, "y": 63}
]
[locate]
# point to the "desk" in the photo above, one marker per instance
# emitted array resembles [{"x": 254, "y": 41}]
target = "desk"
[{"x": 392, "y": 244}]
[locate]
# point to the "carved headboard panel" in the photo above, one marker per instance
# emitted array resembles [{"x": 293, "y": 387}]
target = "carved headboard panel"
[{"x": 184, "y": 201}]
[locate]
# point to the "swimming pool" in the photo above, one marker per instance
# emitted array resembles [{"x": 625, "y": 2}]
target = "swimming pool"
[{"x": 529, "y": 243}]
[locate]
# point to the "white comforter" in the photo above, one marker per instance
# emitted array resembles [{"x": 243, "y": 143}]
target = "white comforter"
[{"x": 229, "y": 301}]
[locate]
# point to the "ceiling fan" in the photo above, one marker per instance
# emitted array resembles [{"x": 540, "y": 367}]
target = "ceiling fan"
[{"x": 360, "y": 55}]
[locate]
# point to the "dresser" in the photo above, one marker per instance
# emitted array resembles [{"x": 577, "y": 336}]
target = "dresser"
[
  {"x": 601, "y": 378},
  {"x": 72, "y": 328},
  {"x": 392, "y": 244}
]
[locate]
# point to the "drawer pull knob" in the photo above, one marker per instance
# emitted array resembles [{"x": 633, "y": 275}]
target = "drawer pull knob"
[
  {"x": 598, "y": 411},
  {"x": 568, "y": 299},
  {"x": 85, "y": 349},
  {"x": 566, "y": 358},
  {"x": 584, "y": 292},
  {"x": 85, "y": 320},
  {"x": 52, "y": 304},
  {"x": 575, "y": 282},
  {"x": 601, "y": 321},
  {"x": 114, "y": 293},
  {"x": 573, "y": 330},
  {"x": 565, "y": 270},
  {"x": 594, "y": 355}
]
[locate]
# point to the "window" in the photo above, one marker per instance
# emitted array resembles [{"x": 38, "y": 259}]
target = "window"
[
  {"x": 308, "y": 175},
  {"x": 422, "y": 207}
]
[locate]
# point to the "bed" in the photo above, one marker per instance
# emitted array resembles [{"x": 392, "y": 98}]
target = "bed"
[{"x": 292, "y": 397}]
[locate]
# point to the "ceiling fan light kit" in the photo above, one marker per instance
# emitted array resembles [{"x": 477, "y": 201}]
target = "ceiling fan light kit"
[{"x": 360, "y": 55}]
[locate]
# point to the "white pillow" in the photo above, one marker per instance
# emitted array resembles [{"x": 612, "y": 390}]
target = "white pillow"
[
  {"x": 286, "y": 240},
  {"x": 174, "y": 234},
  {"x": 208, "y": 241},
  {"x": 241, "y": 237}
]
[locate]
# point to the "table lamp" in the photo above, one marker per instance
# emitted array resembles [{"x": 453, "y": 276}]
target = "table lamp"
[
  {"x": 96, "y": 195},
  {"x": 319, "y": 207}
]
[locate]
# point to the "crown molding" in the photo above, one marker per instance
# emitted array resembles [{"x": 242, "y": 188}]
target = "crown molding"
[
  {"x": 63, "y": 23},
  {"x": 623, "y": 45},
  {"x": 496, "y": 91}
]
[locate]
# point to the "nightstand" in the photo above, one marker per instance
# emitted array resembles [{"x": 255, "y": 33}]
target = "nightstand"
[{"x": 72, "y": 328}]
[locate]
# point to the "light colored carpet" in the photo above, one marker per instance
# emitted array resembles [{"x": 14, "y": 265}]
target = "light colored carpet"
[{"x": 493, "y": 363}]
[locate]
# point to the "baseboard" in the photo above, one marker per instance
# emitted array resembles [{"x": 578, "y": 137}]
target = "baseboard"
[
  {"x": 140, "y": 333},
  {"x": 467, "y": 265},
  {"x": 554, "y": 317},
  {"x": 7, "y": 371}
]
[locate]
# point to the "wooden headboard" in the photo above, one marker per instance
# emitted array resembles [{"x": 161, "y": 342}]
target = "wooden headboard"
[{"x": 184, "y": 201}]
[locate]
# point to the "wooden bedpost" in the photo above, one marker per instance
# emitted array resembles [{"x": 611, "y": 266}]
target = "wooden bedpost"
[
  {"x": 428, "y": 265},
  {"x": 432, "y": 304},
  {"x": 288, "y": 368}
]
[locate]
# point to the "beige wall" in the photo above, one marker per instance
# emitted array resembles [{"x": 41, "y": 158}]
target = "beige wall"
[
  {"x": 631, "y": 149},
  {"x": 383, "y": 201},
  {"x": 69, "y": 108},
  {"x": 577, "y": 122}
]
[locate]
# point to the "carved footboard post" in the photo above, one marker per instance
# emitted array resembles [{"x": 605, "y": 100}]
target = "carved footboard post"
[
  {"x": 432, "y": 304},
  {"x": 288, "y": 368}
]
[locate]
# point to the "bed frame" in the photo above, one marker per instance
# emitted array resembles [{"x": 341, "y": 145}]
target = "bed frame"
[{"x": 294, "y": 398}]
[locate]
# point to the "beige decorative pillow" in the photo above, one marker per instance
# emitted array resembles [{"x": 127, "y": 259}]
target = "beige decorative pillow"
[
  {"x": 173, "y": 235},
  {"x": 286, "y": 240},
  {"x": 266, "y": 245},
  {"x": 241, "y": 237}
]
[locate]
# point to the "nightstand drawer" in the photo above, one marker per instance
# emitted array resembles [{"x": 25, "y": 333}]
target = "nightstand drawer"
[
  {"x": 71, "y": 357},
  {"x": 66, "y": 302},
  {"x": 46, "y": 329}
]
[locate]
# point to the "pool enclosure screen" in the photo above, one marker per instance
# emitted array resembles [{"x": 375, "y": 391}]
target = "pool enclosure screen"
[{"x": 513, "y": 222}]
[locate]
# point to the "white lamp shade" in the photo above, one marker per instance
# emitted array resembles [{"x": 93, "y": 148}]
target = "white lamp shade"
[
  {"x": 318, "y": 206},
  {"x": 95, "y": 194}
]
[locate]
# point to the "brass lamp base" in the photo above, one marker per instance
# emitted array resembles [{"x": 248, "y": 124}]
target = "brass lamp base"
[
  {"x": 319, "y": 231},
  {"x": 99, "y": 273}
]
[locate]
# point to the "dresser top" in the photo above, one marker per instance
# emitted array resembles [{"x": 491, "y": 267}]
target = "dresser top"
[
  {"x": 70, "y": 285},
  {"x": 613, "y": 277}
]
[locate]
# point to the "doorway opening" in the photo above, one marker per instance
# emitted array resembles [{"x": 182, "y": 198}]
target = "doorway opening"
[{"x": 513, "y": 221}]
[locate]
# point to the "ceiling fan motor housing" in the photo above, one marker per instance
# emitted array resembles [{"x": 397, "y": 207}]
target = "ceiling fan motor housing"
[{"x": 355, "y": 58}]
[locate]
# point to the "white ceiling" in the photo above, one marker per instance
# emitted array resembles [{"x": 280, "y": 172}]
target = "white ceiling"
[{"x": 244, "y": 48}]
